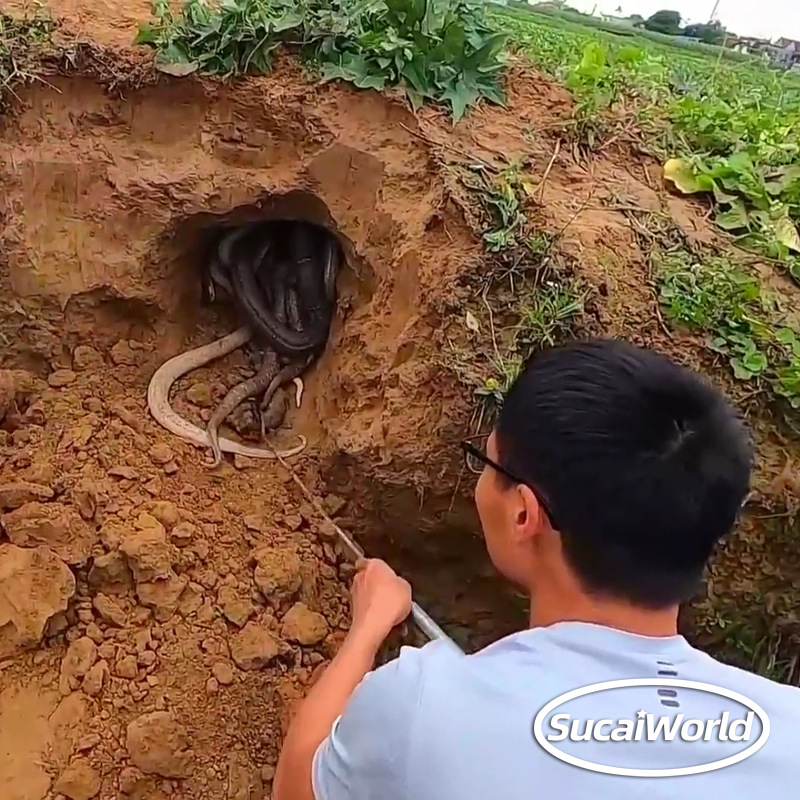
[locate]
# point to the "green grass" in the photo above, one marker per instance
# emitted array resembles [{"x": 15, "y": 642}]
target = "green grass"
[
  {"x": 524, "y": 303},
  {"x": 753, "y": 329},
  {"x": 22, "y": 40},
  {"x": 619, "y": 30}
]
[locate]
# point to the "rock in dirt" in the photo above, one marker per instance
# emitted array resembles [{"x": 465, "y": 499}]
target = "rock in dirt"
[
  {"x": 159, "y": 745},
  {"x": 17, "y": 494},
  {"x": 303, "y": 626},
  {"x": 235, "y": 608},
  {"x": 200, "y": 395},
  {"x": 61, "y": 377},
  {"x": 190, "y": 600},
  {"x": 79, "y": 658},
  {"x": 161, "y": 453},
  {"x": 110, "y": 574},
  {"x": 123, "y": 471},
  {"x": 58, "y": 526},
  {"x": 122, "y": 354},
  {"x": 165, "y": 512},
  {"x": 34, "y": 586},
  {"x": 254, "y": 647},
  {"x": 278, "y": 572},
  {"x": 148, "y": 551},
  {"x": 110, "y": 610},
  {"x": 223, "y": 672},
  {"x": 162, "y": 596},
  {"x": 182, "y": 534},
  {"x": 85, "y": 357},
  {"x": 78, "y": 781},
  {"x": 127, "y": 667},
  {"x": 96, "y": 678}
]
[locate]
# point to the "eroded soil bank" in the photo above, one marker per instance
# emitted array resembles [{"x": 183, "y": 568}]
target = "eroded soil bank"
[
  {"x": 176, "y": 613},
  {"x": 157, "y": 618}
]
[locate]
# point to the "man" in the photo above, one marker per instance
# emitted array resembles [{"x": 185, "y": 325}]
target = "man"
[{"x": 608, "y": 480}]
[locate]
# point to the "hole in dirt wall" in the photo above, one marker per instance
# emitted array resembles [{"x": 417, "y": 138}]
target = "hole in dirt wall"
[
  {"x": 185, "y": 248},
  {"x": 434, "y": 540}
]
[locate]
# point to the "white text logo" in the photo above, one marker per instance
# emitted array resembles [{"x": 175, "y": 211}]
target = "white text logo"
[{"x": 647, "y": 727}]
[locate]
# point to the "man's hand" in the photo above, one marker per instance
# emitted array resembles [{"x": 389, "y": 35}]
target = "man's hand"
[{"x": 380, "y": 600}]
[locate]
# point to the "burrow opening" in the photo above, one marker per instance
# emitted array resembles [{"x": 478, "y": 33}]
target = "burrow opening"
[
  {"x": 188, "y": 244},
  {"x": 430, "y": 536}
]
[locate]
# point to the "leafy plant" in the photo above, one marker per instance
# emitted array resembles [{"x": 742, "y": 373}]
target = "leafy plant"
[
  {"x": 438, "y": 50},
  {"x": 755, "y": 203},
  {"x": 728, "y": 129},
  {"x": 744, "y": 323}
]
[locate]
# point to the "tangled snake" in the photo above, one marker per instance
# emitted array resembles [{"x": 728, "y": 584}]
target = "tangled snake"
[
  {"x": 288, "y": 299},
  {"x": 169, "y": 372}
]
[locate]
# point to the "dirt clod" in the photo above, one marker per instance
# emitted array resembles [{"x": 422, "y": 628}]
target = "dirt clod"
[
  {"x": 161, "y": 453},
  {"x": 303, "y": 626},
  {"x": 147, "y": 550},
  {"x": 200, "y": 395},
  {"x": 235, "y": 608},
  {"x": 110, "y": 610},
  {"x": 165, "y": 512},
  {"x": 122, "y": 354},
  {"x": 254, "y": 647},
  {"x": 278, "y": 572},
  {"x": 61, "y": 377},
  {"x": 95, "y": 679},
  {"x": 158, "y": 744},
  {"x": 17, "y": 494},
  {"x": 183, "y": 534},
  {"x": 34, "y": 586},
  {"x": 126, "y": 668},
  {"x": 86, "y": 357},
  {"x": 223, "y": 672},
  {"x": 78, "y": 781},
  {"x": 110, "y": 574},
  {"x": 162, "y": 595},
  {"x": 55, "y": 525}
]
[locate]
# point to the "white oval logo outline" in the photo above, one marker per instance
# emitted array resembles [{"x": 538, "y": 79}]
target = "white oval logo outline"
[{"x": 632, "y": 772}]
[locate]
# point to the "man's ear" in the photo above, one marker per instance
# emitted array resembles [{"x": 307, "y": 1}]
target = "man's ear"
[{"x": 527, "y": 514}]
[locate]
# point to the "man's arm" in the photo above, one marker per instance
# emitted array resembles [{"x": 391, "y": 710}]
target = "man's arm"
[{"x": 380, "y": 600}]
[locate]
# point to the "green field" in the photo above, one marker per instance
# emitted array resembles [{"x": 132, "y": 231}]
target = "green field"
[{"x": 735, "y": 125}]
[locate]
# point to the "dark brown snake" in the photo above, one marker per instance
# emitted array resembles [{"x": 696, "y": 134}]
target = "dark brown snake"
[{"x": 286, "y": 290}]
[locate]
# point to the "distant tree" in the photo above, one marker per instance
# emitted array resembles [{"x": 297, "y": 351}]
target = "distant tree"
[
  {"x": 665, "y": 21},
  {"x": 712, "y": 33}
]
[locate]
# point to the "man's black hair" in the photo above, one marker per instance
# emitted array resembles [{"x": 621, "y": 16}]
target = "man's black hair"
[{"x": 643, "y": 462}]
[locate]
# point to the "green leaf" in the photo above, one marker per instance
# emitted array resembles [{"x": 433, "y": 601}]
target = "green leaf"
[
  {"x": 678, "y": 172},
  {"x": 723, "y": 197},
  {"x": 740, "y": 371},
  {"x": 460, "y": 96},
  {"x": 733, "y": 219},
  {"x": 786, "y": 233},
  {"x": 148, "y": 34}
]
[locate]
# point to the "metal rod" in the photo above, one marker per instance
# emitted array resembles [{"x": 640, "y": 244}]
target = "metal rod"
[{"x": 421, "y": 617}]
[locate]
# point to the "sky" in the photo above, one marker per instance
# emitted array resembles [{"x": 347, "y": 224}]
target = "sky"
[{"x": 767, "y": 19}]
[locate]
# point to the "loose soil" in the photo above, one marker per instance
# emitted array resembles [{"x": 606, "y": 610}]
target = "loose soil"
[{"x": 158, "y": 619}]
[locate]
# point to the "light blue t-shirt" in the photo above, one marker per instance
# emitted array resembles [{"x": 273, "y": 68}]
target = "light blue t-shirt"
[{"x": 437, "y": 725}]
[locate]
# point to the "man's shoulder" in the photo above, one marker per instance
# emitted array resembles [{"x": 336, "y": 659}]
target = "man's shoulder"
[{"x": 759, "y": 688}]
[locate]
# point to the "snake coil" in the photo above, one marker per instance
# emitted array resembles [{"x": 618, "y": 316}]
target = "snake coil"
[{"x": 282, "y": 277}]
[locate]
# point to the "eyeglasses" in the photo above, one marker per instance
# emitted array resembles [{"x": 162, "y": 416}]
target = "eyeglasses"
[{"x": 474, "y": 450}]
